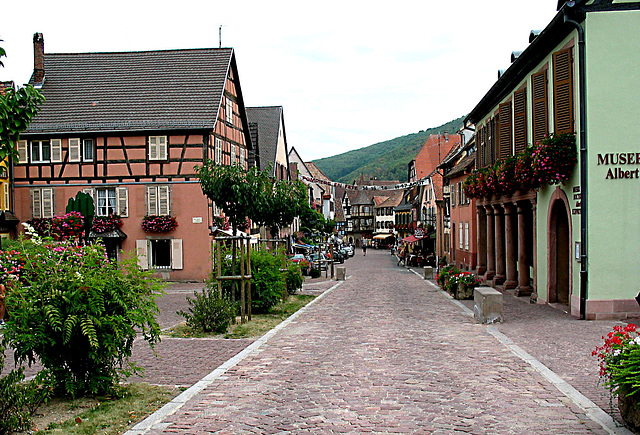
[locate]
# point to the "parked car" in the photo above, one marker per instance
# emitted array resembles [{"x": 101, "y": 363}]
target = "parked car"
[
  {"x": 350, "y": 250},
  {"x": 318, "y": 260},
  {"x": 338, "y": 256},
  {"x": 297, "y": 258}
]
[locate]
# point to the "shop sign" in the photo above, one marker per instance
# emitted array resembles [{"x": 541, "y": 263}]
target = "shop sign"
[{"x": 619, "y": 163}]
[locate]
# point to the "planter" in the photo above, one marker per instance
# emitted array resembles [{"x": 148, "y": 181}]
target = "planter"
[
  {"x": 629, "y": 407},
  {"x": 463, "y": 291}
]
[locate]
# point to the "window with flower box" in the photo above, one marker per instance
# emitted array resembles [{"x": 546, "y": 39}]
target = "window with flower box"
[
  {"x": 110, "y": 200},
  {"x": 563, "y": 117}
]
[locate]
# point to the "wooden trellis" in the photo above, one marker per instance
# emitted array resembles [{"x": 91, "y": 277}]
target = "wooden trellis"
[{"x": 241, "y": 246}]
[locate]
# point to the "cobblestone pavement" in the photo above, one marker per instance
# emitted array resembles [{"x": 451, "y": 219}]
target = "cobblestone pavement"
[{"x": 386, "y": 352}]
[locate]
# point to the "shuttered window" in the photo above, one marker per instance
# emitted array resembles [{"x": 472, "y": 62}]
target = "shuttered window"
[
  {"x": 158, "y": 200},
  {"x": 563, "y": 91},
  {"x": 520, "y": 120},
  {"x": 157, "y": 148},
  {"x": 42, "y": 203},
  {"x": 506, "y": 141},
  {"x": 540, "y": 104}
]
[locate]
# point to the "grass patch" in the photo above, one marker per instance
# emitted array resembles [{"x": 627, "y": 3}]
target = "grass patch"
[
  {"x": 102, "y": 415},
  {"x": 258, "y": 326}
]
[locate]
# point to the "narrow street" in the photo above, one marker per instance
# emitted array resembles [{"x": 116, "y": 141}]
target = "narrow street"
[{"x": 386, "y": 352}]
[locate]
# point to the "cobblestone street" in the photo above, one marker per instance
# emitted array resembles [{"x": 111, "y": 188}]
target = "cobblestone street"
[{"x": 387, "y": 352}]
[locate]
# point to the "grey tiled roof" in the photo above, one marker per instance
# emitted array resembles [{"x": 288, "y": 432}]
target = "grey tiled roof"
[
  {"x": 132, "y": 90},
  {"x": 268, "y": 121}
]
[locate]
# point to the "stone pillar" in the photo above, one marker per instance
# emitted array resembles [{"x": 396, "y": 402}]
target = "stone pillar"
[
  {"x": 510, "y": 246},
  {"x": 534, "y": 295},
  {"x": 481, "y": 259},
  {"x": 491, "y": 252},
  {"x": 499, "y": 278},
  {"x": 524, "y": 288}
]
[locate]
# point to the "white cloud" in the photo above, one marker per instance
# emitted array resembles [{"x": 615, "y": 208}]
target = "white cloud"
[{"x": 348, "y": 74}]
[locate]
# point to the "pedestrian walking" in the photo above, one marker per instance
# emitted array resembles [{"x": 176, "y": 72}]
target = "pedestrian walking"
[{"x": 364, "y": 250}]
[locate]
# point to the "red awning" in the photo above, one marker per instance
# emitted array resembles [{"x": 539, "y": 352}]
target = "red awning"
[{"x": 410, "y": 239}]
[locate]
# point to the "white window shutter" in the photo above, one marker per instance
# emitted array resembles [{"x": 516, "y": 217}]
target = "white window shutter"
[
  {"x": 176, "y": 253},
  {"x": 56, "y": 150},
  {"x": 142, "y": 251},
  {"x": 22, "y": 152},
  {"x": 152, "y": 201},
  {"x": 47, "y": 203},
  {"x": 162, "y": 147},
  {"x": 164, "y": 208},
  {"x": 153, "y": 148},
  {"x": 91, "y": 192},
  {"x": 5, "y": 193},
  {"x": 36, "y": 204},
  {"x": 122, "y": 200},
  {"x": 74, "y": 150}
]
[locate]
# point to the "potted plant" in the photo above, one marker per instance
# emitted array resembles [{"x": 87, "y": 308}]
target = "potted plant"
[
  {"x": 620, "y": 370},
  {"x": 462, "y": 285}
]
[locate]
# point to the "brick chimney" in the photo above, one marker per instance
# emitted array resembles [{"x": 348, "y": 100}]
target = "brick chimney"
[{"x": 38, "y": 58}]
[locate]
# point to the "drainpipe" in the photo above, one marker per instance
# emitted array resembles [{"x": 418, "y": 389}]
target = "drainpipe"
[{"x": 583, "y": 162}]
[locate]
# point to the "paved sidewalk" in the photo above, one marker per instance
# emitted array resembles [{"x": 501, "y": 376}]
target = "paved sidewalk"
[{"x": 387, "y": 352}]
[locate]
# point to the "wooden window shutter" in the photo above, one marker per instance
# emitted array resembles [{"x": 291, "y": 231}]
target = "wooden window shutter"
[
  {"x": 164, "y": 206},
  {"x": 520, "y": 120},
  {"x": 7, "y": 197},
  {"x": 162, "y": 147},
  {"x": 22, "y": 152},
  {"x": 153, "y": 148},
  {"x": 540, "y": 103},
  {"x": 74, "y": 150},
  {"x": 122, "y": 201},
  {"x": 36, "y": 204},
  {"x": 563, "y": 92},
  {"x": 152, "y": 201},
  {"x": 505, "y": 130},
  {"x": 176, "y": 253},
  {"x": 56, "y": 150},
  {"x": 47, "y": 203},
  {"x": 142, "y": 251}
]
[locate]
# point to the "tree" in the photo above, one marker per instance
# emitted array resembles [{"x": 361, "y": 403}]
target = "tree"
[
  {"x": 17, "y": 109},
  {"x": 285, "y": 201}
]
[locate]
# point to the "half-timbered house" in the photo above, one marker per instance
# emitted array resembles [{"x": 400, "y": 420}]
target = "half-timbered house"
[{"x": 129, "y": 128}]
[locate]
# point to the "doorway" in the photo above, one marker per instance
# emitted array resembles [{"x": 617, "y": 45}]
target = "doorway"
[{"x": 559, "y": 253}]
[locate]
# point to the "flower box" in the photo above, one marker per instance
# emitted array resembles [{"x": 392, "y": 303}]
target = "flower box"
[{"x": 159, "y": 224}]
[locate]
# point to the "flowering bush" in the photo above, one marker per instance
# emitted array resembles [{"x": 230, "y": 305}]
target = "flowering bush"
[
  {"x": 466, "y": 278},
  {"x": 79, "y": 314},
  {"x": 445, "y": 274},
  {"x": 620, "y": 359},
  {"x": 11, "y": 265},
  {"x": 550, "y": 161},
  {"x": 103, "y": 224},
  {"x": 65, "y": 227},
  {"x": 159, "y": 224}
]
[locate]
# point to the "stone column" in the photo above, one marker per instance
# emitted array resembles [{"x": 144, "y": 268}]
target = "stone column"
[
  {"x": 534, "y": 295},
  {"x": 499, "y": 278},
  {"x": 491, "y": 252},
  {"x": 510, "y": 246},
  {"x": 481, "y": 259},
  {"x": 524, "y": 288}
]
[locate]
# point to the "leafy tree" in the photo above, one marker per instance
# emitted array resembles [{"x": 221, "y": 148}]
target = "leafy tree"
[
  {"x": 17, "y": 109},
  {"x": 238, "y": 193},
  {"x": 286, "y": 201}
]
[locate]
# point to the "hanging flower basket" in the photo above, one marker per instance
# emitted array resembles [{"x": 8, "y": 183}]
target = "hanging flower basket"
[
  {"x": 159, "y": 224},
  {"x": 104, "y": 224}
]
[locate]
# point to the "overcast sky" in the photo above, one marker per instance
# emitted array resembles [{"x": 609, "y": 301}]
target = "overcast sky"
[{"x": 348, "y": 73}]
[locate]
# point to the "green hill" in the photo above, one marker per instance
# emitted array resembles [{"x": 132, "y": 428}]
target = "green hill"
[{"x": 386, "y": 160}]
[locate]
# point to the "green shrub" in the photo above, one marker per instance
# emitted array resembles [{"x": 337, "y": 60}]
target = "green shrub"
[
  {"x": 444, "y": 276},
  {"x": 79, "y": 315},
  {"x": 294, "y": 278},
  {"x": 315, "y": 273},
  {"x": 209, "y": 311},
  {"x": 268, "y": 283},
  {"x": 19, "y": 399}
]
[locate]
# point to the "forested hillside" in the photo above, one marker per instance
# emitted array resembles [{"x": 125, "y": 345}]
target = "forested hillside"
[{"x": 385, "y": 160}]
